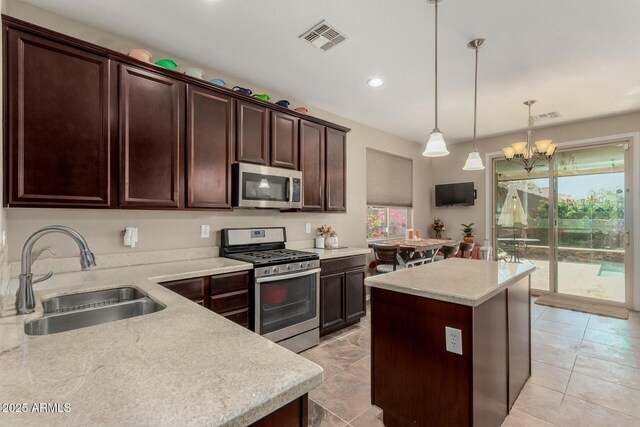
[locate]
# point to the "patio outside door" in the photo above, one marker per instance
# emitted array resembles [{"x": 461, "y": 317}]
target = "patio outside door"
[{"x": 578, "y": 209}]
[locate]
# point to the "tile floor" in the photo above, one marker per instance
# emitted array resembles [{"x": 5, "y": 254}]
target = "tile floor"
[{"x": 585, "y": 372}]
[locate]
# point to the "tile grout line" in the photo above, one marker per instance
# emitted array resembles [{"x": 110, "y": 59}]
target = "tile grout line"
[
  {"x": 354, "y": 418},
  {"x": 341, "y": 419}
]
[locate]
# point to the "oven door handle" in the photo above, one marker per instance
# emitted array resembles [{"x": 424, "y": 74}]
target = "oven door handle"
[{"x": 287, "y": 276}]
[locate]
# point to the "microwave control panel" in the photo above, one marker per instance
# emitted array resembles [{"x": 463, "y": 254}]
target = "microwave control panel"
[{"x": 295, "y": 195}]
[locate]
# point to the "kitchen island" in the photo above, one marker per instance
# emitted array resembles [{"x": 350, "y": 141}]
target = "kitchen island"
[
  {"x": 183, "y": 365},
  {"x": 450, "y": 342}
]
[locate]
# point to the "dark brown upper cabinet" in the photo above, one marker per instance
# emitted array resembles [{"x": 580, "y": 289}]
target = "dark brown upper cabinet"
[
  {"x": 60, "y": 125},
  {"x": 252, "y": 143},
  {"x": 336, "y": 171},
  {"x": 210, "y": 141},
  {"x": 312, "y": 161},
  {"x": 151, "y": 139},
  {"x": 284, "y": 140}
]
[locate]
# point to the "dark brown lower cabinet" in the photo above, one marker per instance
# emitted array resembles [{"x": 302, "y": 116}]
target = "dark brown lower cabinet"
[
  {"x": 416, "y": 381},
  {"x": 342, "y": 294},
  {"x": 225, "y": 294},
  {"x": 195, "y": 289},
  {"x": 293, "y": 414}
]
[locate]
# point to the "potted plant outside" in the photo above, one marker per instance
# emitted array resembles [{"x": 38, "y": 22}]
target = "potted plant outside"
[{"x": 467, "y": 230}]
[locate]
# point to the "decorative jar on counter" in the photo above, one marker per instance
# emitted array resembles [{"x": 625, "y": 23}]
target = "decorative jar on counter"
[
  {"x": 320, "y": 242},
  {"x": 331, "y": 241}
]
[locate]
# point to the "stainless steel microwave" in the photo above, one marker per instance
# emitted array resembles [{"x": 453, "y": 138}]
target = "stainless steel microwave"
[{"x": 256, "y": 186}]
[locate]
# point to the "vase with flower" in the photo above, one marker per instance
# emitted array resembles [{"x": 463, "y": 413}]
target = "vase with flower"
[
  {"x": 438, "y": 227},
  {"x": 327, "y": 237}
]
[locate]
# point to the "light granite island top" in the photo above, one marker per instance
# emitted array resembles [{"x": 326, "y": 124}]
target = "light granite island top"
[
  {"x": 184, "y": 365},
  {"x": 456, "y": 280}
]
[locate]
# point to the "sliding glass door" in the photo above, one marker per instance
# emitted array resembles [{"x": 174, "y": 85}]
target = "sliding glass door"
[
  {"x": 575, "y": 230},
  {"x": 590, "y": 228}
]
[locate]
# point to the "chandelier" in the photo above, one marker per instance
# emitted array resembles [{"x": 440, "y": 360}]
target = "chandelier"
[{"x": 525, "y": 153}]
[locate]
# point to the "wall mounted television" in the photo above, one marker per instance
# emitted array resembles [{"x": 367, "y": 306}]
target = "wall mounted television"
[{"x": 459, "y": 194}]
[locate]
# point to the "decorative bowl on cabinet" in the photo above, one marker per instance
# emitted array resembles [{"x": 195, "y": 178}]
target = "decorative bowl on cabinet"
[
  {"x": 194, "y": 72},
  {"x": 140, "y": 54},
  {"x": 167, "y": 63},
  {"x": 283, "y": 103},
  {"x": 242, "y": 90},
  {"x": 262, "y": 96},
  {"x": 217, "y": 82}
]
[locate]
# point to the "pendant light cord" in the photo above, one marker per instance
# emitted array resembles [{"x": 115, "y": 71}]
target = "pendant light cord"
[
  {"x": 475, "y": 103},
  {"x": 436, "y": 67}
]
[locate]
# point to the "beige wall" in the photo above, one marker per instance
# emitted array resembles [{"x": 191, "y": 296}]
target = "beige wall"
[
  {"x": 169, "y": 230},
  {"x": 449, "y": 169}
]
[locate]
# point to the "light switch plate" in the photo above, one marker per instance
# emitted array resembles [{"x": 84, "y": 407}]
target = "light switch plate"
[
  {"x": 454, "y": 340},
  {"x": 205, "y": 231},
  {"x": 307, "y": 227}
]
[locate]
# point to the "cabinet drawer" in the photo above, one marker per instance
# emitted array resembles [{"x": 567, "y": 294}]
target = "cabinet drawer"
[
  {"x": 241, "y": 317},
  {"x": 229, "y": 302},
  {"x": 336, "y": 265},
  {"x": 189, "y": 288},
  {"x": 225, "y": 283}
]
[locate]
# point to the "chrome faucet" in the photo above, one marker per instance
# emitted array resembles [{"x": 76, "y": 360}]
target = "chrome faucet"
[{"x": 25, "y": 301}]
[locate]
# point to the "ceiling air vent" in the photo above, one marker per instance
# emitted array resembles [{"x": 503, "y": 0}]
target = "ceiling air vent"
[
  {"x": 546, "y": 116},
  {"x": 324, "y": 36}
]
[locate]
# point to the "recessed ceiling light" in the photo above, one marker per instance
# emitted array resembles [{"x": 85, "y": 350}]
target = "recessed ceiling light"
[{"x": 375, "y": 82}]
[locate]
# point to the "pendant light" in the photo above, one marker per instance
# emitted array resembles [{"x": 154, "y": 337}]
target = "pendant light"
[
  {"x": 474, "y": 162},
  {"x": 436, "y": 146}
]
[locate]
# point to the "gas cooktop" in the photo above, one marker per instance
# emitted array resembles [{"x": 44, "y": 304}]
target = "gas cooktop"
[{"x": 273, "y": 256}]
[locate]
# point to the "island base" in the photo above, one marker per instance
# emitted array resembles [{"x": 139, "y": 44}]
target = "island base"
[{"x": 416, "y": 381}]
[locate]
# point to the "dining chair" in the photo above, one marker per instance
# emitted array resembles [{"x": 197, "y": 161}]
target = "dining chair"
[
  {"x": 466, "y": 247},
  {"x": 448, "y": 251},
  {"x": 387, "y": 257}
]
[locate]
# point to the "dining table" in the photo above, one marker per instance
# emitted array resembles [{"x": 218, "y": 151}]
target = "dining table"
[{"x": 415, "y": 250}]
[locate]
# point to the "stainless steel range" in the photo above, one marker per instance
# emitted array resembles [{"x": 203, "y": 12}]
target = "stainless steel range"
[{"x": 286, "y": 291}]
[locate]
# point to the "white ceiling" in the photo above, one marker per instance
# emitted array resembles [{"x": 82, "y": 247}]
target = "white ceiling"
[{"x": 580, "y": 58}]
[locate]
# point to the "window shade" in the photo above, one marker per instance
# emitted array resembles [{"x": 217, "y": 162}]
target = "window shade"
[{"x": 389, "y": 179}]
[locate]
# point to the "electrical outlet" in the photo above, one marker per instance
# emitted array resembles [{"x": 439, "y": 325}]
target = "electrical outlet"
[
  {"x": 454, "y": 340},
  {"x": 307, "y": 227},
  {"x": 205, "y": 231}
]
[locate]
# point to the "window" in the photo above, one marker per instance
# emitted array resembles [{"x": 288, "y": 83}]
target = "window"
[
  {"x": 386, "y": 221},
  {"x": 389, "y": 194}
]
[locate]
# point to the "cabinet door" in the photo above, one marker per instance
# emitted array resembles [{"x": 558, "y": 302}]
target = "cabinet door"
[
  {"x": 194, "y": 289},
  {"x": 355, "y": 298},
  {"x": 151, "y": 139},
  {"x": 209, "y": 148},
  {"x": 284, "y": 140},
  {"x": 336, "y": 171},
  {"x": 312, "y": 165},
  {"x": 61, "y": 125},
  {"x": 253, "y": 133},
  {"x": 332, "y": 304}
]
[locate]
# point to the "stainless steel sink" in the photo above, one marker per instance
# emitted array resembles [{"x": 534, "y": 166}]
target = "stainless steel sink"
[
  {"x": 77, "y": 311},
  {"x": 94, "y": 299}
]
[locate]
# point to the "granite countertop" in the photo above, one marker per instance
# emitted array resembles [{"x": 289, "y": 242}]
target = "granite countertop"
[
  {"x": 184, "y": 365},
  {"x": 338, "y": 253},
  {"x": 460, "y": 281}
]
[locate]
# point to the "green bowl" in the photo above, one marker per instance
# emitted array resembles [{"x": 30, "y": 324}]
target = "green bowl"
[
  {"x": 167, "y": 63},
  {"x": 263, "y": 97}
]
